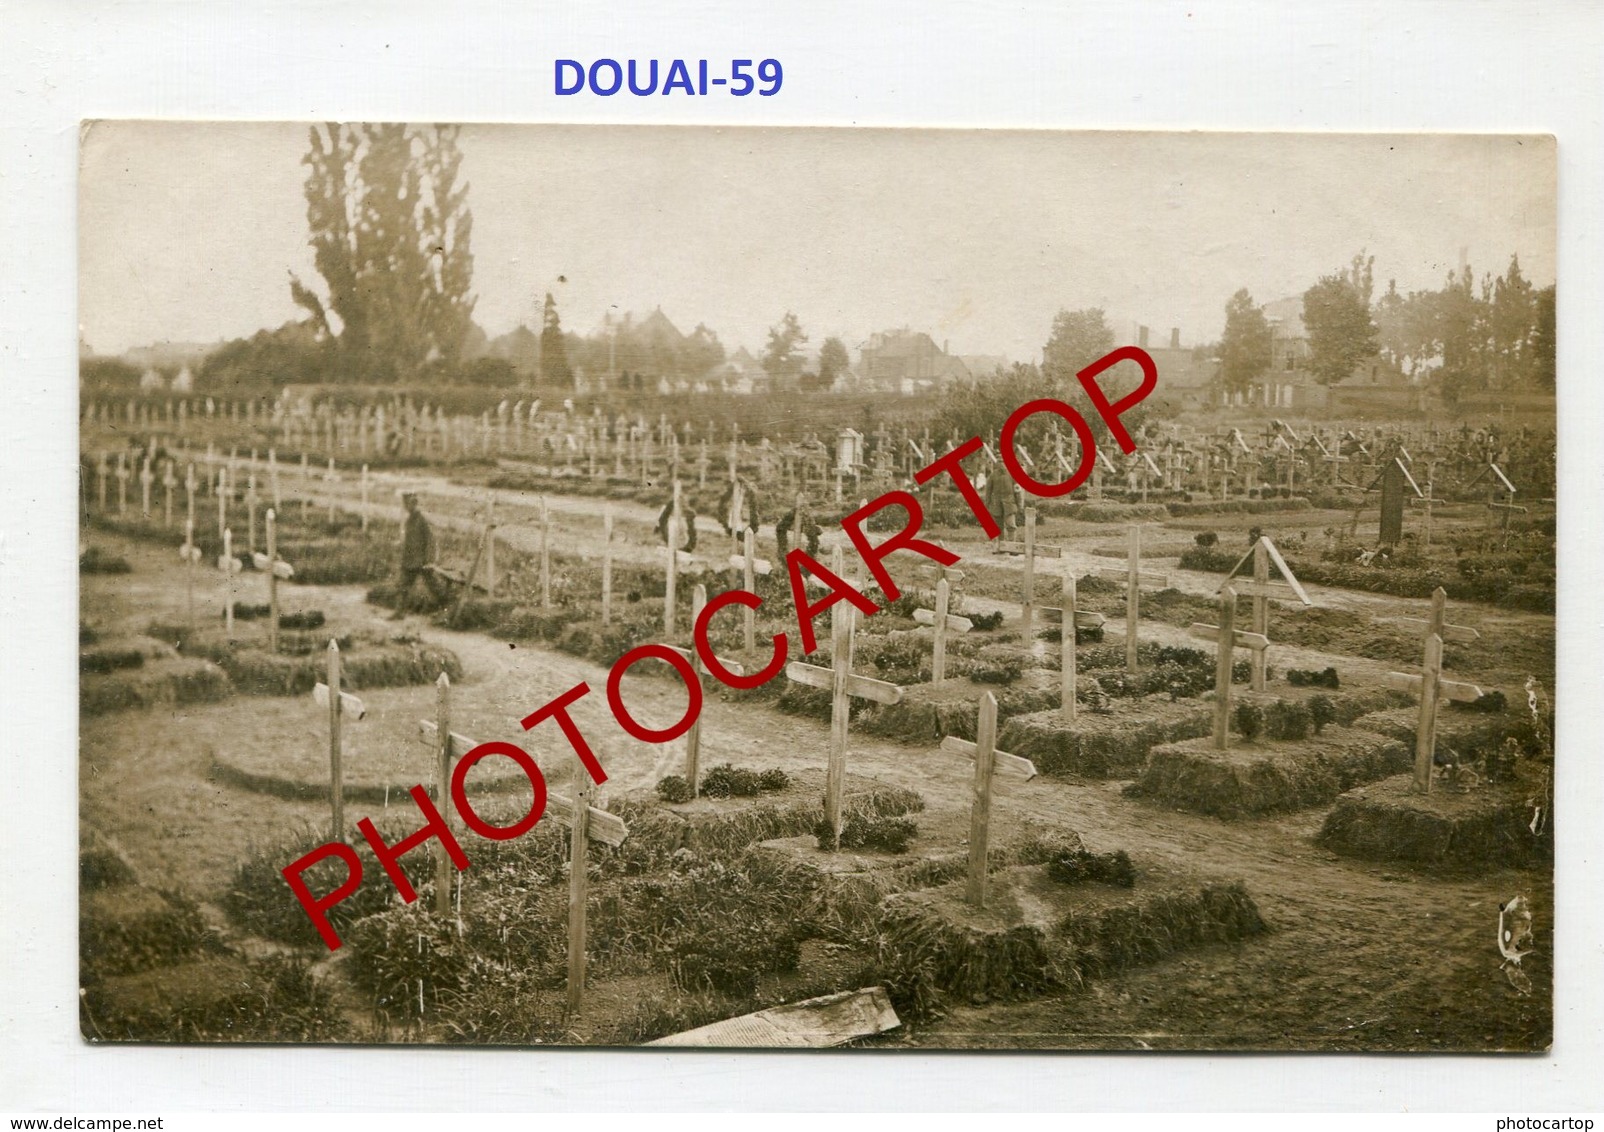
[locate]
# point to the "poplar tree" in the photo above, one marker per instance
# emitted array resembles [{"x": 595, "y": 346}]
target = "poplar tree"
[{"x": 391, "y": 236}]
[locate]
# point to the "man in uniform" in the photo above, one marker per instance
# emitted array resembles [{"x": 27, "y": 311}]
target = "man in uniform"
[{"x": 417, "y": 555}]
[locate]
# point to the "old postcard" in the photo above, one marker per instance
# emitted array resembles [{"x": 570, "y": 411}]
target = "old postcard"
[{"x": 808, "y": 588}]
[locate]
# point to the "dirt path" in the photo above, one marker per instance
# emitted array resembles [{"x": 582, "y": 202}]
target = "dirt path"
[{"x": 1360, "y": 956}]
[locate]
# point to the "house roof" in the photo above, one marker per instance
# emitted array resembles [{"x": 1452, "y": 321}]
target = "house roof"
[{"x": 1285, "y": 317}]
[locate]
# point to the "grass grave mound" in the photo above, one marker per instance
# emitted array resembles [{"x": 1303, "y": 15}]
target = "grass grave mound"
[
  {"x": 97, "y": 560},
  {"x": 367, "y": 660},
  {"x": 377, "y": 775},
  {"x": 218, "y": 998},
  {"x": 1098, "y": 745},
  {"x": 1252, "y": 779},
  {"x": 129, "y": 928},
  {"x": 1471, "y": 734},
  {"x": 180, "y": 680},
  {"x": 926, "y": 714},
  {"x": 1487, "y": 826},
  {"x": 1036, "y": 936},
  {"x": 101, "y": 863}
]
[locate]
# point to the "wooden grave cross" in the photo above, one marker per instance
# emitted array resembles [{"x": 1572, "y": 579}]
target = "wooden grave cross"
[
  {"x": 1501, "y": 483},
  {"x": 1430, "y": 684},
  {"x": 843, "y": 685},
  {"x": 1134, "y": 579},
  {"x": 251, "y": 500},
  {"x": 607, "y": 565},
  {"x": 190, "y": 555},
  {"x": 274, "y": 568},
  {"x": 1228, "y": 639},
  {"x": 330, "y": 478},
  {"x": 1030, "y": 548},
  {"x": 490, "y": 544},
  {"x": 693, "y": 737},
  {"x": 146, "y": 478},
  {"x": 1288, "y": 453},
  {"x": 1334, "y": 459},
  {"x": 339, "y": 705},
  {"x": 169, "y": 481},
  {"x": 1069, "y": 620},
  {"x": 222, "y": 500},
  {"x": 1262, "y": 589},
  {"x": 545, "y": 554},
  {"x": 750, "y": 566},
  {"x": 1427, "y": 501},
  {"x": 102, "y": 473},
  {"x": 364, "y": 495},
  {"x": 672, "y": 559},
  {"x": 122, "y": 482},
  {"x": 988, "y": 761},
  {"x": 229, "y": 566},
  {"x": 189, "y": 493},
  {"x": 448, "y": 746},
  {"x": 941, "y": 622}
]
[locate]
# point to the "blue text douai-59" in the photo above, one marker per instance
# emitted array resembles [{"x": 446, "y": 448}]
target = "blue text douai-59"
[{"x": 640, "y": 77}]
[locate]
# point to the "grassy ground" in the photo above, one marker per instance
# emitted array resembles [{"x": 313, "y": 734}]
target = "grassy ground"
[{"x": 1329, "y": 974}]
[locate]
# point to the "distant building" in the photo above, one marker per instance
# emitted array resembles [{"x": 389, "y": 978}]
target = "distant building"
[
  {"x": 742, "y": 373},
  {"x": 908, "y": 361},
  {"x": 169, "y": 355},
  {"x": 983, "y": 365},
  {"x": 1289, "y": 383},
  {"x": 1187, "y": 377}
]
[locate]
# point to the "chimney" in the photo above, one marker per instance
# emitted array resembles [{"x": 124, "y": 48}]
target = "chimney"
[
  {"x": 1175, "y": 337},
  {"x": 1141, "y": 337}
]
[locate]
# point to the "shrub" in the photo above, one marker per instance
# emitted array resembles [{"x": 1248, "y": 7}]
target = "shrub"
[
  {"x": 1492, "y": 702},
  {"x": 1309, "y": 678},
  {"x": 727, "y": 780},
  {"x": 97, "y": 561},
  {"x": 101, "y": 661},
  {"x": 673, "y": 789},
  {"x": 773, "y": 779},
  {"x": 1287, "y": 720},
  {"x": 406, "y": 958},
  {"x": 986, "y": 622},
  {"x": 885, "y": 835},
  {"x": 100, "y": 865},
  {"x": 1249, "y": 720},
  {"x": 998, "y": 664},
  {"x": 1321, "y": 712},
  {"x": 1078, "y": 866},
  {"x": 121, "y": 930},
  {"x": 904, "y": 659},
  {"x": 1206, "y": 539},
  {"x": 260, "y": 901}
]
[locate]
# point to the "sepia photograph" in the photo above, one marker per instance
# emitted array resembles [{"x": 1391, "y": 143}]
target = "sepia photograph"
[{"x": 781, "y": 587}]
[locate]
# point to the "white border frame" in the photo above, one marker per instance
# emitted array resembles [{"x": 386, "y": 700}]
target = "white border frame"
[{"x": 1494, "y": 66}]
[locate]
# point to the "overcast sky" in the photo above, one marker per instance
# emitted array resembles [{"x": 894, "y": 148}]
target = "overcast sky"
[{"x": 188, "y": 230}]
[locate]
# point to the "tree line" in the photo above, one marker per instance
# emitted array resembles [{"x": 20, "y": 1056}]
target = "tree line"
[{"x": 1495, "y": 335}]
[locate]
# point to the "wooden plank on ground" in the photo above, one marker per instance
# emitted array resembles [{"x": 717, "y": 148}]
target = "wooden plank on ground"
[
  {"x": 1448, "y": 689},
  {"x": 815, "y": 1023}
]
